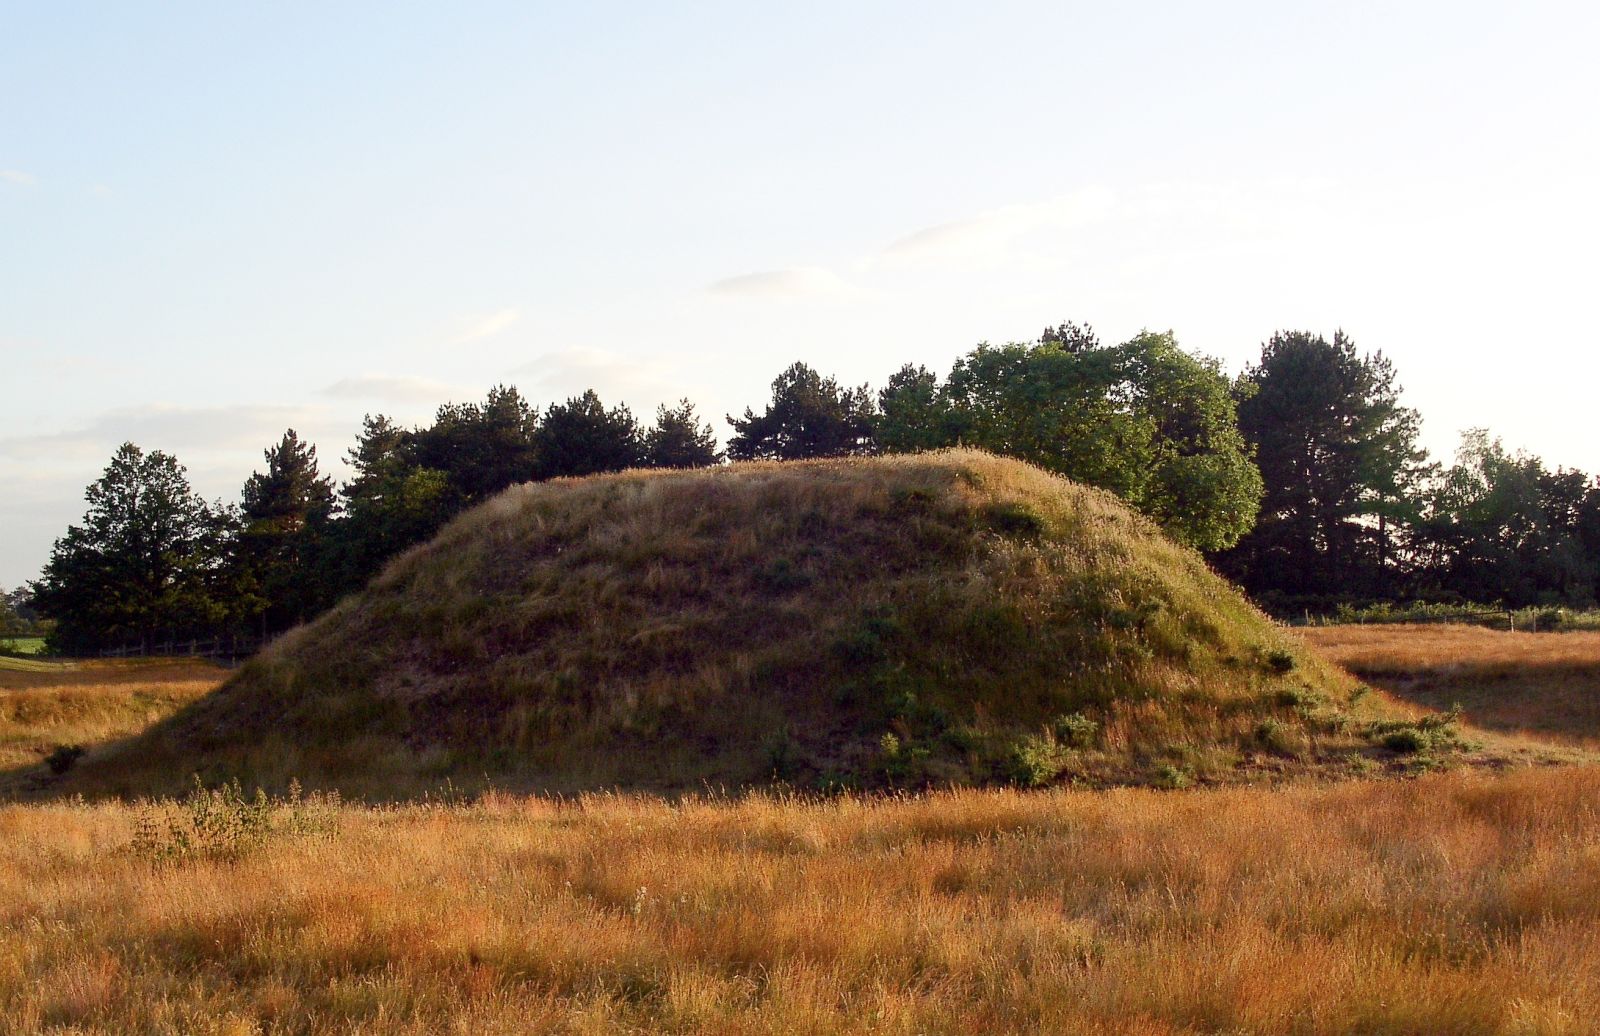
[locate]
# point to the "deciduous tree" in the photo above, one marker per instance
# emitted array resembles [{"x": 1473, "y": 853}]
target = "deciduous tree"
[{"x": 142, "y": 564}]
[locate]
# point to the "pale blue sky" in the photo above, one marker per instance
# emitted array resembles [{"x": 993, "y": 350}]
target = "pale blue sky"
[{"x": 217, "y": 220}]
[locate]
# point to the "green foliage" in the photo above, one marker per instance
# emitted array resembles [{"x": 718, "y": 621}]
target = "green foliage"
[
  {"x": 781, "y": 755},
  {"x": 1502, "y": 527},
  {"x": 679, "y": 439},
  {"x": 1430, "y": 735},
  {"x": 145, "y": 563},
  {"x": 1276, "y": 737},
  {"x": 582, "y": 437},
  {"x": 903, "y": 761},
  {"x": 781, "y": 576},
  {"x": 1173, "y": 777},
  {"x": 1143, "y": 419},
  {"x": 1075, "y": 730},
  {"x": 223, "y": 823},
  {"x": 1036, "y": 760},
  {"x": 282, "y": 543},
  {"x": 1012, "y": 518},
  {"x": 1280, "y": 662},
  {"x": 809, "y": 416},
  {"x": 912, "y": 414},
  {"x": 1339, "y": 462}
]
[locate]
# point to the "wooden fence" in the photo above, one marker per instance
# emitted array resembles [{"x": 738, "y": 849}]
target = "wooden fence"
[{"x": 229, "y": 650}]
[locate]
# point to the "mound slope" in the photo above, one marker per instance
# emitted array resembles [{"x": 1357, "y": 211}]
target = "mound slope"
[{"x": 942, "y": 618}]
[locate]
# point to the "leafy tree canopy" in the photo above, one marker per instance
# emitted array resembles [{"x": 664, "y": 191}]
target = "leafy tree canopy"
[
  {"x": 1144, "y": 419},
  {"x": 144, "y": 562}
]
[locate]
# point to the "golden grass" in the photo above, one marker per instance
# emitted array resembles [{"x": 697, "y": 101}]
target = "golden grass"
[
  {"x": 1545, "y": 685},
  {"x": 1450, "y": 904},
  {"x": 45, "y": 704},
  {"x": 1464, "y": 902}
]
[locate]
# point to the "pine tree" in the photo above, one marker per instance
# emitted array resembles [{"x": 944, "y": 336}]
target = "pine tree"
[
  {"x": 680, "y": 439},
  {"x": 286, "y": 515}
]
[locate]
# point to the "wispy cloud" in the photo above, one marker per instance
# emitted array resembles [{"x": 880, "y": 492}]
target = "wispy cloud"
[
  {"x": 639, "y": 381},
  {"x": 174, "y": 429},
  {"x": 486, "y": 326},
  {"x": 394, "y": 388},
  {"x": 991, "y": 235},
  {"x": 18, "y": 177},
  {"x": 794, "y": 282}
]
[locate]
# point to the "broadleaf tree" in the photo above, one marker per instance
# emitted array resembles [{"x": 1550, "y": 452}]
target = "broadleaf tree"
[{"x": 142, "y": 565}]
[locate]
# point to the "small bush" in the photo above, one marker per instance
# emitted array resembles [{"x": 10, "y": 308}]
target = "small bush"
[
  {"x": 1280, "y": 662},
  {"x": 1279, "y": 739},
  {"x": 1035, "y": 761},
  {"x": 1173, "y": 777},
  {"x": 1075, "y": 730},
  {"x": 63, "y": 758},
  {"x": 1291, "y": 697},
  {"x": 903, "y": 761},
  {"x": 1434, "y": 733},
  {"x": 1405, "y": 740},
  {"x": 961, "y": 738},
  {"x": 223, "y": 823},
  {"x": 781, "y": 761},
  {"x": 869, "y": 642},
  {"x": 1014, "y": 519}
]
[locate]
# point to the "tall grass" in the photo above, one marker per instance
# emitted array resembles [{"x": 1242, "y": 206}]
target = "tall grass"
[
  {"x": 1544, "y": 686},
  {"x": 1449, "y": 904},
  {"x": 46, "y": 705}
]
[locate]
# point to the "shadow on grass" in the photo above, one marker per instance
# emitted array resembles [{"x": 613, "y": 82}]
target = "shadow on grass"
[{"x": 1555, "y": 700}]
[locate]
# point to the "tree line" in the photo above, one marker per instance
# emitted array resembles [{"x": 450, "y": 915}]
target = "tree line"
[{"x": 1301, "y": 479}]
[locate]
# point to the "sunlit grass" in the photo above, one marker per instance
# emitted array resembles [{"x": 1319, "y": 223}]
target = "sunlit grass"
[
  {"x": 1449, "y": 904},
  {"x": 46, "y": 704},
  {"x": 1545, "y": 685},
  {"x": 1454, "y": 903}
]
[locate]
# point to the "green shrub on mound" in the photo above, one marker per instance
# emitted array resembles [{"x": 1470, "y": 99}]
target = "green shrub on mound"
[{"x": 952, "y": 617}]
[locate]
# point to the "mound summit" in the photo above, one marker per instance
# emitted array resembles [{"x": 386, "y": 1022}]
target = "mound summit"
[{"x": 952, "y": 617}]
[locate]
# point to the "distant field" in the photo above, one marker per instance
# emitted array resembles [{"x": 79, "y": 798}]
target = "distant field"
[
  {"x": 22, "y": 645},
  {"x": 1545, "y": 685},
  {"x": 1465, "y": 902},
  {"x": 45, "y": 704}
]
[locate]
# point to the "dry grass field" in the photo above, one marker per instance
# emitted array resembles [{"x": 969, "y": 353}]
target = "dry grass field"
[
  {"x": 1542, "y": 684},
  {"x": 1447, "y": 904},
  {"x": 45, "y": 704},
  {"x": 1459, "y": 902}
]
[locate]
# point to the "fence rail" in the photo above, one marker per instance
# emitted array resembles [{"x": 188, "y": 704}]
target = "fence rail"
[{"x": 221, "y": 649}]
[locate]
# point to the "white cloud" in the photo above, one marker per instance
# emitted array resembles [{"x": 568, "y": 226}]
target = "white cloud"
[
  {"x": 991, "y": 236},
  {"x": 173, "y": 429},
  {"x": 639, "y": 382},
  {"x": 18, "y": 177},
  {"x": 794, "y": 282},
  {"x": 394, "y": 388},
  {"x": 486, "y": 326}
]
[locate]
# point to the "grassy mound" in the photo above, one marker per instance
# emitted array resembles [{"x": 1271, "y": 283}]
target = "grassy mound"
[{"x": 942, "y": 618}]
